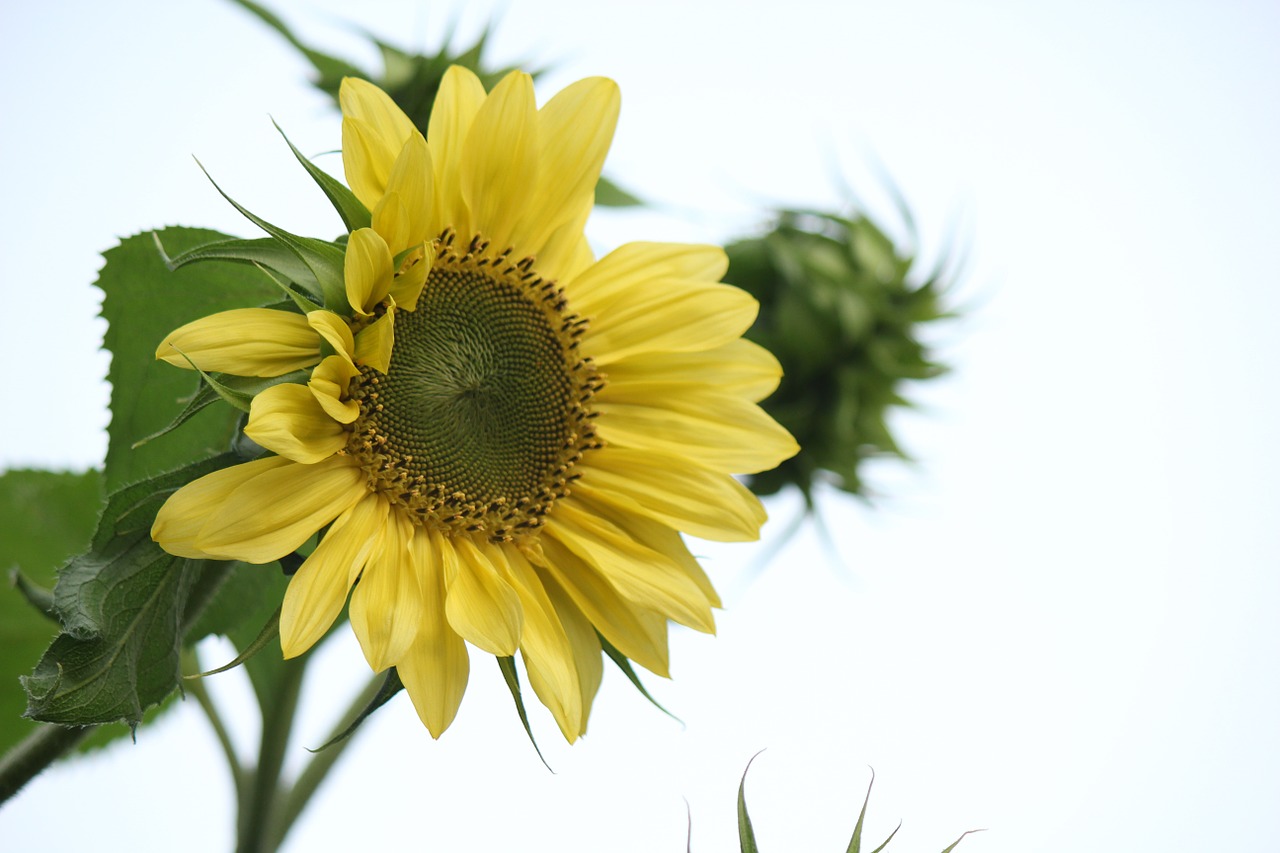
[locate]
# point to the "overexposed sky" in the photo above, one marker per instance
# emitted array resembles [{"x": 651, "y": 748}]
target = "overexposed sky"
[{"x": 1059, "y": 624}]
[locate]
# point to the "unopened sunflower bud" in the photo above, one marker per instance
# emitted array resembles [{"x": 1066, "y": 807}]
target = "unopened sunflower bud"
[{"x": 843, "y": 312}]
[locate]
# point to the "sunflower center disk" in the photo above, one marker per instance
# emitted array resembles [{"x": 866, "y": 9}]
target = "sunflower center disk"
[{"x": 482, "y": 414}]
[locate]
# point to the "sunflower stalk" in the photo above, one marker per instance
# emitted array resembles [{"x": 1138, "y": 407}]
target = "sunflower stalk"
[{"x": 263, "y": 794}]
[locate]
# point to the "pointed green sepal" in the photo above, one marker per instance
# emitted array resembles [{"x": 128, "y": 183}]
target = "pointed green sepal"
[
  {"x": 390, "y": 687},
  {"x": 262, "y": 252},
  {"x": 746, "y": 834},
  {"x": 230, "y": 395},
  {"x": 203, "y": 397},
  {"x": 508, "y": 667},
  {"x": 302, "y": 303},
  {"x": 353, "y": 212},
  {"x": 624, "y": 664},
  {"x": 269, "y": 632},
  {"x": 324, "y": 260}
]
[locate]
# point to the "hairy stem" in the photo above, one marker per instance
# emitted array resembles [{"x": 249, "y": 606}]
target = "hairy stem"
[{"x": 24, "y": 761}]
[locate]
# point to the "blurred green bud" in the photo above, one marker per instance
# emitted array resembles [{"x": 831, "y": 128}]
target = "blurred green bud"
[
  {"x": 413, "y": 79},
  {"x": 841, "y": 309}
]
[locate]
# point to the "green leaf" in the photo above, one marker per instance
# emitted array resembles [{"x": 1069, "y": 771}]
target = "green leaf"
[
  {"x": 609, "y": 194},
  {"x": 508, "y": 667},
  {"x": 124, "y": 605},
  {"x": 624, "y": 664},
  {"x": 390, "y": 687},
  {"x": 143, "y": 300},
  {"x": 746, "y": 834},
  {"x": 48, "y": 517},
  {"x": 353, "y": 212}
]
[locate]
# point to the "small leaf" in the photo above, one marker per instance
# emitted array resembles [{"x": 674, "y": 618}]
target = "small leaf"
[
  {"x": 390, "y": 687},
  {"x": 353, "y": 212},
  {"x": 508, "y": 667},
  {"x": 48, "y": 517},
  {"x": 746, "y": 834}
]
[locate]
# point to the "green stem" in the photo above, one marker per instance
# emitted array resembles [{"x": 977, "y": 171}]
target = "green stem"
[
  {"x": 262, "y": 793},
  {"x": 321, "y": 762},
  {"x": 24, "y": 761},
  {"x": 197, "y": 689}
]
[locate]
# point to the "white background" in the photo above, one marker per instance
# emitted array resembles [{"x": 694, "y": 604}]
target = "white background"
[{"x": 1059, "y": 625}]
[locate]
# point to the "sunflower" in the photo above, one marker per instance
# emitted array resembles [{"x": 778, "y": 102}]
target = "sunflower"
[{"x": 500, "y": 437}]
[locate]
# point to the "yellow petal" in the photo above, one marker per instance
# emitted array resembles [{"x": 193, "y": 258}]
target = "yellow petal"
[
  {"x": 412, "y": 182},
  {"x": 288, "y": 419},
  {"x": 373, "y": 132},
  {"x": 544, "y": 645},
  {"x": 457, "y": 102},
  {"x": 178, "y": 522},
  {"x": 582, "y": 639},
  {"x": 386, "y": 605},
  {"x": 318, "y": 589},
  {"x": 391, "y": 221},
  {"x": 648, "y": 578},
  {"x": 435, "y": 667},
  {"x": 669, "y": 314},
  {"x": 329, "y": 383},
  {"x": 335, "y": 330},
  {"x": 719, "y": 431},
  {"x": 480, "y": 603},
  {"x": 638, "y": 633},
  {"x": 675, "y": 491},
  {"x": 567, "y": 252},
  {"x": 244, "y": 342},
  {"x": 375, "y": 341},
  {"x": 658, "y": 537},
  {"x": 629, "y": 267},
  {"x": 366, "y": 270},
  {"x": 407, "y": 285},
  {"x": 738, "y": 367},
  {"x": 575, "y": 129},
  {"x": 500, "y": 161},
  {"x": 275, "y": 512}
]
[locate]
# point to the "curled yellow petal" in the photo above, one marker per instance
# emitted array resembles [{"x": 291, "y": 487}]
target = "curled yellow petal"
[
  {"x": 366, "y": 270},
  {"x": 244, "y": 342},
  {"x": 288, "y": 419},
  {"x": 329, "y": 383},
  {"x": 335, "y": 330},
  {"x": 375, "y": 341}
]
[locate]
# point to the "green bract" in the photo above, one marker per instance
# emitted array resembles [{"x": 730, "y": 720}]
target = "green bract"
[{"x": 842, "y": 310}]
